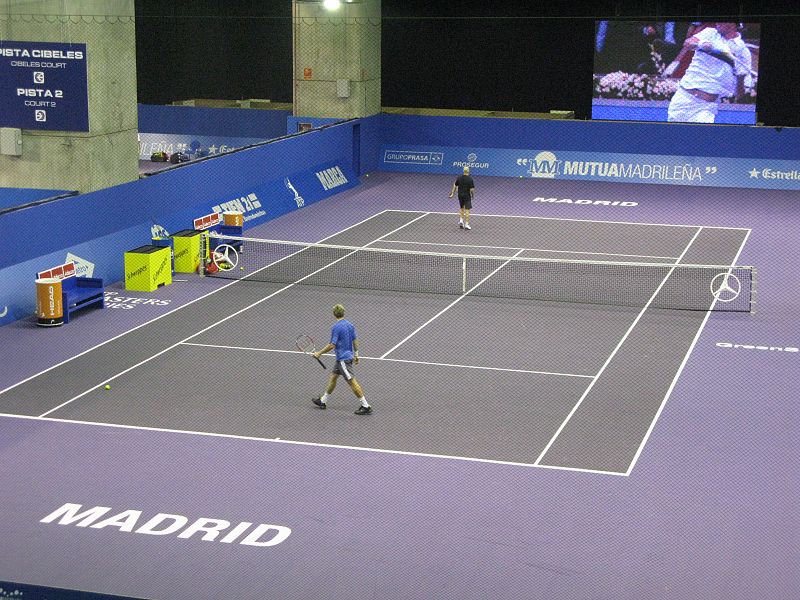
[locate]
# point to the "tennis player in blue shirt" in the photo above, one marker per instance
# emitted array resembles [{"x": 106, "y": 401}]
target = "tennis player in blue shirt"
[{"x": 344, "y": 340}]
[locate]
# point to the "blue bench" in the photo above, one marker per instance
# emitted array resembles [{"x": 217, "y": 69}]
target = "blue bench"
[{"x": 80, "y": 292}]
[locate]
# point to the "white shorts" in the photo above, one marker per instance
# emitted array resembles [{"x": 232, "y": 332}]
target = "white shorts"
[{"x": 685, "y": 108}]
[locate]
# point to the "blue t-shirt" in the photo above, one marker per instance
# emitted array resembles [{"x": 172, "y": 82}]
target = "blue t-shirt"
[{"x": 342, "y": 335}]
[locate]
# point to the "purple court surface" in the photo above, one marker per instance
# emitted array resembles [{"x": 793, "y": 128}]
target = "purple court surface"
[{"x": 518, "y": 448}]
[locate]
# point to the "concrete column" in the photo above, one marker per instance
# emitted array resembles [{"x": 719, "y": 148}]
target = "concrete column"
[
  {"x": 107, "y": 154},
  {"x": 337, "y": 59}
]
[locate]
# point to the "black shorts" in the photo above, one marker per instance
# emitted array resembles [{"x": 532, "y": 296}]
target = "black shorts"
[
  {"x": 344, "y": 368},
  {"x": 465, "y": 202}
]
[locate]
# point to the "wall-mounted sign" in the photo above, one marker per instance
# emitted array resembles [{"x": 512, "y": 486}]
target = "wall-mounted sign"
[{"x": 44, "y": 85}]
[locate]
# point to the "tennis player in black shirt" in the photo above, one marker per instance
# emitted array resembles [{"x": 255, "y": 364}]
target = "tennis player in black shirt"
[{"x": 466, "y": 192}]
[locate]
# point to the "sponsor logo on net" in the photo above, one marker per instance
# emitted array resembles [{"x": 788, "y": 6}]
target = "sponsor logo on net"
[
  {"x": 249, "y": 205},
  {"x": 547, "y": 165},
  {"x": 10, "y": 594},
  {"x": 471, "y": 162},
  {"x": 166, "y": 524},
  {"x": 3, "y": 312},
  {"x": 726, "y": 287}
]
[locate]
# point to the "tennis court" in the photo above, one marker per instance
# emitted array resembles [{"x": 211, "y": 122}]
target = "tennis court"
[
  {"x": 550, "y": 406},
  {"x": 569, "y": 384}
]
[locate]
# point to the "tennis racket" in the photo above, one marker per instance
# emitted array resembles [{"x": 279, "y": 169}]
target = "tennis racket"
[{"x": 306, "y": 344}]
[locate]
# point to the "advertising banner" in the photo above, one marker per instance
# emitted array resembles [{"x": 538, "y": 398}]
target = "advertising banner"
[{"x": 596, "y": 166}]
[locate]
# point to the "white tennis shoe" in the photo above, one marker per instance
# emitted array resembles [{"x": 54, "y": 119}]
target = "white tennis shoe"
[{"x": 466, "y": 226}]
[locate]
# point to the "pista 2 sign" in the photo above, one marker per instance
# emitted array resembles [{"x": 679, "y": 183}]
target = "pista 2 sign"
[{"x": 44, "y": 86}]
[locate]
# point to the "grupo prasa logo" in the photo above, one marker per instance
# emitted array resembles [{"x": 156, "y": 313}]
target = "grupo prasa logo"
[
  {"x": 413, "y": 157},
  {"x": 544, "y": 165}
]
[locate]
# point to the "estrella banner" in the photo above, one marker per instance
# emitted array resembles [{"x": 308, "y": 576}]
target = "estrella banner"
[
  {"x": 44, "y": 85},
  {"x": 595, "y": 166},
  {"x": 195, "y": 146}
]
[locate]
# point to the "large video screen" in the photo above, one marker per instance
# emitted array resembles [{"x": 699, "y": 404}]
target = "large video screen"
[{"x": 680, "y": 71}]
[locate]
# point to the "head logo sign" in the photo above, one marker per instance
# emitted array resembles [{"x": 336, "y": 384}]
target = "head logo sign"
[{"x": 726, "y": 287}]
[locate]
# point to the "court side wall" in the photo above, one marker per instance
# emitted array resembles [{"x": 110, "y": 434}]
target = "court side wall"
[
  {"x": 594, "y": 136},
  {"x": 265, "y": 182}
]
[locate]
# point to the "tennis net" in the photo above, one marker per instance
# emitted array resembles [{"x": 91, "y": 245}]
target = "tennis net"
[{"x": 671, "y": 286}]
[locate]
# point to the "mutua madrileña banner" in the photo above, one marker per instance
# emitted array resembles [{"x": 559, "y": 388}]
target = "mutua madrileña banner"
[
  {"x": 595, "y": 166},
  {"x": 43, "y": 85}
]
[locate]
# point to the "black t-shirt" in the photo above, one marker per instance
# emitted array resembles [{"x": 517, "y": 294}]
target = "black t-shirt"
[{"x": 464, "y": 184}]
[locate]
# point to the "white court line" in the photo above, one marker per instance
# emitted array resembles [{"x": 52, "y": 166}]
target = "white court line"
[
  {"x": 248, "y": 438},
  {"x": 524, "y": 249},
  {"x": 680, "y": 369},
  {"x": 413, "y": 362},
  {"x": 433, "y": 212},
  {"x": 238, "y": 312},
  {"x": 614, "y": 352},
  {"x": 164, "y": 315},
  {"x": 446, "y": 308}
]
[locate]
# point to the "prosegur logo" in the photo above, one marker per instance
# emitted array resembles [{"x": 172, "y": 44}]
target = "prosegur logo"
[
  {"x": 471, "y": 162},
  {"x": 544, "y": 165}
]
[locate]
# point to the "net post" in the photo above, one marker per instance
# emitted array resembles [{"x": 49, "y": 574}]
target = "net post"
[
  {"x": 753, "y": 291},
  {"x": 464, "y": 275},
  {"x": 203, "y": 249}
]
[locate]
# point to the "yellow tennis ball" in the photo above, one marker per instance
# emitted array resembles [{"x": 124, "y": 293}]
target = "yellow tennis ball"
[{"x": 108, "y": 387}]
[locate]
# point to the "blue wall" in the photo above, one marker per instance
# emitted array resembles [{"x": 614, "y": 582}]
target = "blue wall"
[{"x": 594, "y": 136}]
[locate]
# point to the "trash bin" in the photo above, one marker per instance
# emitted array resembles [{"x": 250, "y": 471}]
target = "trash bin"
[
  {"x": 233, "y": 218},
  {"x": 49, "y": 308}
]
